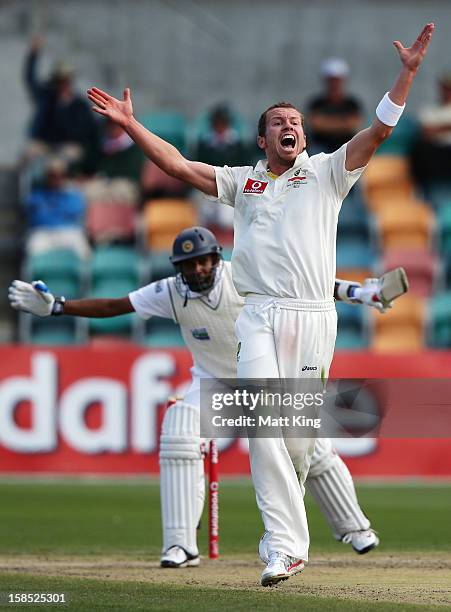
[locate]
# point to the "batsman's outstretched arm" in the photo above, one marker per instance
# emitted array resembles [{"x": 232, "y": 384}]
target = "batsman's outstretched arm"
[
  {"x": 99, "y": 307},
  {"x": 36, "y": 299},
  {"x": 361, "y": 148},
  {"x": 164, "y": 155}
]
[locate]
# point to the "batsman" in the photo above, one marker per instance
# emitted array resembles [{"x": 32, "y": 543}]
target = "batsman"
[{"x": 202, "y": 299}]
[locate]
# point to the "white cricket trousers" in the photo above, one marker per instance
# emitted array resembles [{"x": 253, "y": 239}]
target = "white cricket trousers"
[{"x": 278, "y": 337}]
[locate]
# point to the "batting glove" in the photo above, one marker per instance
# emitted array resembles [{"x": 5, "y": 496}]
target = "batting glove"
[
  {"x": 34, "y": 297},
  {"x": 370, "y": 294}
]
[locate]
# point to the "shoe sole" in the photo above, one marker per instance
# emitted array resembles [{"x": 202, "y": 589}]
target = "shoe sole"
[
  {"x": 367, "y": 548},
  {"x": 273, "y": 580},
  {"x": 173, "y": 565}
]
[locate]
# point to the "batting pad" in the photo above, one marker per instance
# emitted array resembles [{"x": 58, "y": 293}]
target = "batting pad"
[
  {"x": 331, "y": 485},
  {"x": 182, "y": 485}
]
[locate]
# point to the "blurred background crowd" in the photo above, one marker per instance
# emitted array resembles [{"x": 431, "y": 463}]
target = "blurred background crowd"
[{"x": 84, "y": 210}]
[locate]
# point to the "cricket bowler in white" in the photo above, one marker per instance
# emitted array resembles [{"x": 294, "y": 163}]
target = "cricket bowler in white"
[
  {"x": 201, "y": 298},
  {"x": 286, "y": 213}
]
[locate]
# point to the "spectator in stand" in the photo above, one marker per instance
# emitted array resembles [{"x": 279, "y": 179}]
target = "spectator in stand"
[
  {"x": 221, "y": 145},
  {"x": 113, "y": 196},
  {"x": 119, "y": 157},
  {"x": 334, "y": 116},
  {"x": 62, "y": 120},
  {"x": 431, "y": 155},
  {"x": 55, "y": 213}
]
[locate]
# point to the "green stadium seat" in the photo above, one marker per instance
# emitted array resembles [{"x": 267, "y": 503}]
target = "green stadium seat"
[
  {"x": 170, "y": 126},
  {"x": 161, "y": 332},
  {"x": 439, "y": 194},
  {"x": 120, "y": 263},
  {"x": 54, "y": 331},
  {"x": 122, "y": 325},
  {"x": 401, "y": 141},
  {"x": 53, "y": 337},
  {"x": 160, "y": 265},
  {"x": 444, "y": 229},
  {"x": 57, "y": 265},
  {"x": 439, "y": 323},
  {"x": 70, "y": 289},
  {"x": 164, "y": 339}
]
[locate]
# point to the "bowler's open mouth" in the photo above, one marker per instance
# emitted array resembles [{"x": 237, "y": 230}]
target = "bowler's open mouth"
[{"x": 288, "y": 142}]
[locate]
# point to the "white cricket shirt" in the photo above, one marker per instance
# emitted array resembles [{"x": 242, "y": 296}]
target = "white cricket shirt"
[
  {"x": 207, "y": 323},
  {"x": 286, "y": 227}
]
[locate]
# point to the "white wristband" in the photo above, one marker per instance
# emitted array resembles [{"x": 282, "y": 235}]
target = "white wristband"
[{"x": 388, "y": 112}]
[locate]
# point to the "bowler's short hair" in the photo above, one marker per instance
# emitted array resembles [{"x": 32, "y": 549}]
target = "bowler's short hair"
[{"x": 262, "y": 120}]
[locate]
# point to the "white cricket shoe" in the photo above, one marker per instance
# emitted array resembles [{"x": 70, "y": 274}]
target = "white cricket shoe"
[
  {"x": 176, "y": 556},
  {"x": 361, "y": 541},
  {"x": 280, "y": 567}
]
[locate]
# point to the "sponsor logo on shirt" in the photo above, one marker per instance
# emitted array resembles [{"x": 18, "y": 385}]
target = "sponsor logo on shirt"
[
  {"x": 159, "y": 287},
  {"x": 200, "y": 333},
  {"x": 238, "y": 350},
  {"x": 297, "y": 181},
  {"x": 255, "y": 187},
  {"x": 309, "y": 368}
]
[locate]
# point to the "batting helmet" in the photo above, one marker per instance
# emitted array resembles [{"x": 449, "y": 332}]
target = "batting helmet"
[{"x": 194, "y": 242}]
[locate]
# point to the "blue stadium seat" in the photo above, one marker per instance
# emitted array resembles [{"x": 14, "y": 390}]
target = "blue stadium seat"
[
  {"x": 351, "y": 329},
  {"x": 354, "y": 253},
  {"x": 354, "y": 221}
]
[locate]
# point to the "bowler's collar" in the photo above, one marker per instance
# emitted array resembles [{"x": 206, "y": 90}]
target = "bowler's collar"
[{"x": 262, "y": 165}]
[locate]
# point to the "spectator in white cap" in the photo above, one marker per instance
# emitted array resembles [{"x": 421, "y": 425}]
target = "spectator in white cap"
[{"x": 334, "y": 116}]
